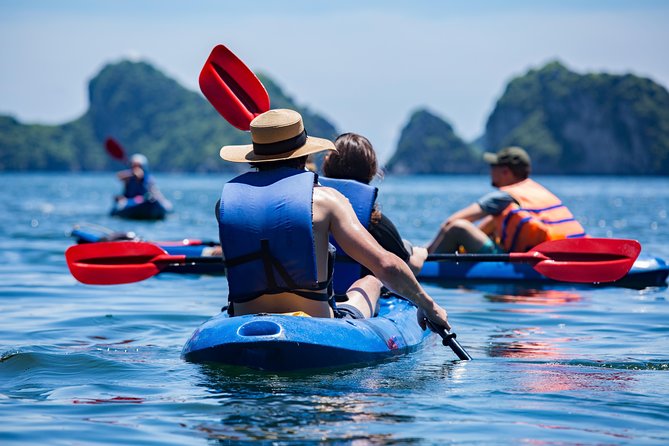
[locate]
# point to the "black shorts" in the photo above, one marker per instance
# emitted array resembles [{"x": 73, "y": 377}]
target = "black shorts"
[{"x": 345, "y": 311}]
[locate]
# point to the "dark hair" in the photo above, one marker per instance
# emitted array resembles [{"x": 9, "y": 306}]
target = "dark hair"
[
  {"x": 297, "y": 163},
  {"x": 355, "y": 159}
]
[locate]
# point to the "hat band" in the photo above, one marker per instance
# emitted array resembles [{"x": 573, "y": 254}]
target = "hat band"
[{"x": 275, "y": 148}]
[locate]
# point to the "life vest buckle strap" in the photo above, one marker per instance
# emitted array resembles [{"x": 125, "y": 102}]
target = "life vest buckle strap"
[
  {"x": 236, "y": 261},
  {"x": 273, "y": 264}
]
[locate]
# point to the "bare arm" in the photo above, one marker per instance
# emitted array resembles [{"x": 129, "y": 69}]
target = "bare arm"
[
  {"x": 487, "y": 225},
  {"x": 362, "y": 247},
  {"x": 417, "y": 259},
  {"x": 444, "y": 240},
  {"x": 472, "y": 213},
  {"x": 124, "y": 175},
  {"x": 135, "y": 171}
]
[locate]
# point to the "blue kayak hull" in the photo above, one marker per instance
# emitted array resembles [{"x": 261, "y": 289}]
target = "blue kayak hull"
[
  {"x": 143, "y": 210},
  {"x": 275, "y": 342},
  {"x": 646, "y": 272}
]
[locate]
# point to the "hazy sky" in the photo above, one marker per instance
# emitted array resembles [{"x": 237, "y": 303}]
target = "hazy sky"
[{"x": 364, "y": 65}]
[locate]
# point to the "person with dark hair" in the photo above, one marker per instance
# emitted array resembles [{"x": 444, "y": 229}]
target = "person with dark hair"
[
  {"x": 515, "y": 218},
  {"x": 350, "y": 170},
  {"x": 275, "y": 224}
]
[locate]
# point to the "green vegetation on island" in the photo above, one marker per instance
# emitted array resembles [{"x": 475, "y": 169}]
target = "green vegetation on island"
[
  {"x": 429, "y": 145},
  {"x": 585, "y": 124},
  {"x": 133, "y": 102},
  {"x": 570, "y": 123}
]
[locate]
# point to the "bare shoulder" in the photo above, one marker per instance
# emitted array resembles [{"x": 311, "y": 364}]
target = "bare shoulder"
[
  {"x": 329, "y": 198},
  {"x": 329, "y": 205}
]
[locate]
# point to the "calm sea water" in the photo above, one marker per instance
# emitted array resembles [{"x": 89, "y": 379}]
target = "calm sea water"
[{"x": 83, "y": 364}]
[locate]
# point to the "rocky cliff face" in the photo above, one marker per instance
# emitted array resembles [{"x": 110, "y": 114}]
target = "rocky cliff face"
[
  {"x": 146, "y": 111},
  {"x": 570, "y": 123},
  {"x": 429, "y": 145},
  {"x": 584, "y": 124}
]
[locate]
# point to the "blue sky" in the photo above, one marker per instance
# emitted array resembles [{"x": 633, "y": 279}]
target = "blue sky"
[{"x": 365, "y": 67}]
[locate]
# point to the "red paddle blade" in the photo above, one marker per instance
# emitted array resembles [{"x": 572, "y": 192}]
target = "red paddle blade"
[
  {"x": 114, "y": 149},
  {"x": 584, "y": 260},
  {"x": 109, "y": 263},
  {"x": 232, "y": 88}
]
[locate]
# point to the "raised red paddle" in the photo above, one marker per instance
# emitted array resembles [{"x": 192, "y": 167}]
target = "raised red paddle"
[
  {"x": 115, "y": 150},
  {"x": 232, "y": 88}
]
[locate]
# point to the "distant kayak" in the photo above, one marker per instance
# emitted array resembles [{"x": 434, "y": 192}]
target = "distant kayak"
[
  {"x": 647, "y": 271},
  {"x": 276, "y": 342},
  {"x": 141, "y": 208}
]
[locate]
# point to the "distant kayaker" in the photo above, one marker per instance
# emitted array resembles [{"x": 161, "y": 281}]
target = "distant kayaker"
[
  {"x": 275, "y": 224},
  {"x": 517, "y": 217},
  {"x": 354, "y": 165},
  {"x": 138, "y": 182}
]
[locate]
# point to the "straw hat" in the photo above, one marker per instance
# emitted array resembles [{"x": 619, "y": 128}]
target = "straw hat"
[{"x": 277, "y": 135}]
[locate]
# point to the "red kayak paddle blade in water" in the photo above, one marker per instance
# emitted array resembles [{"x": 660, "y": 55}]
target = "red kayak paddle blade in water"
[{"x": 232, "y": 88}]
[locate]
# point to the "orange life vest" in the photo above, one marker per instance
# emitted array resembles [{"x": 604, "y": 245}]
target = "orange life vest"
[{"x": 539, "y": 216}]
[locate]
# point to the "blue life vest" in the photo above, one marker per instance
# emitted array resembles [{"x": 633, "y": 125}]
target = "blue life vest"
[
  {"x": 267, "y": 237},
  {"x": 135, "y": 187},
  {"x": 362, "y": 197}
]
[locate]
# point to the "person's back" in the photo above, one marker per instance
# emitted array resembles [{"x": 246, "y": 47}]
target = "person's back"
[
  {"x": 267, "y": 274},
  {"x": 267, "y": 217}
]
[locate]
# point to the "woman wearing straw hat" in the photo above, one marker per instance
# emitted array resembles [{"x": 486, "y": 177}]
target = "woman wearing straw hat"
[{"x": 274, "y": 227}]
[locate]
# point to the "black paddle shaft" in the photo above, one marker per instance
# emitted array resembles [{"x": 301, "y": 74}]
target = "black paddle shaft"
[
  {"x": 469, "y": 257},
  {"x": 206, "y": 259},
  {"x": 448, "y": 339}
]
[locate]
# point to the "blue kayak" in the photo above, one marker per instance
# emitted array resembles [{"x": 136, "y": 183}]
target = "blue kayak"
[
  {"x": 139, "y": 208},
  {"x": 276, "y": 342},
  {"x": 647, "y": 271}
]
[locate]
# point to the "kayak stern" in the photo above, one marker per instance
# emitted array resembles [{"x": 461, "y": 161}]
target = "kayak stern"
[{"x": 276, "y": 342}]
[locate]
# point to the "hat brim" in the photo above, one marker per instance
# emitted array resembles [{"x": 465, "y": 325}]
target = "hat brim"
[
  {"x": 245, "y": 154},
  {"x": 490, "y": 158}
]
